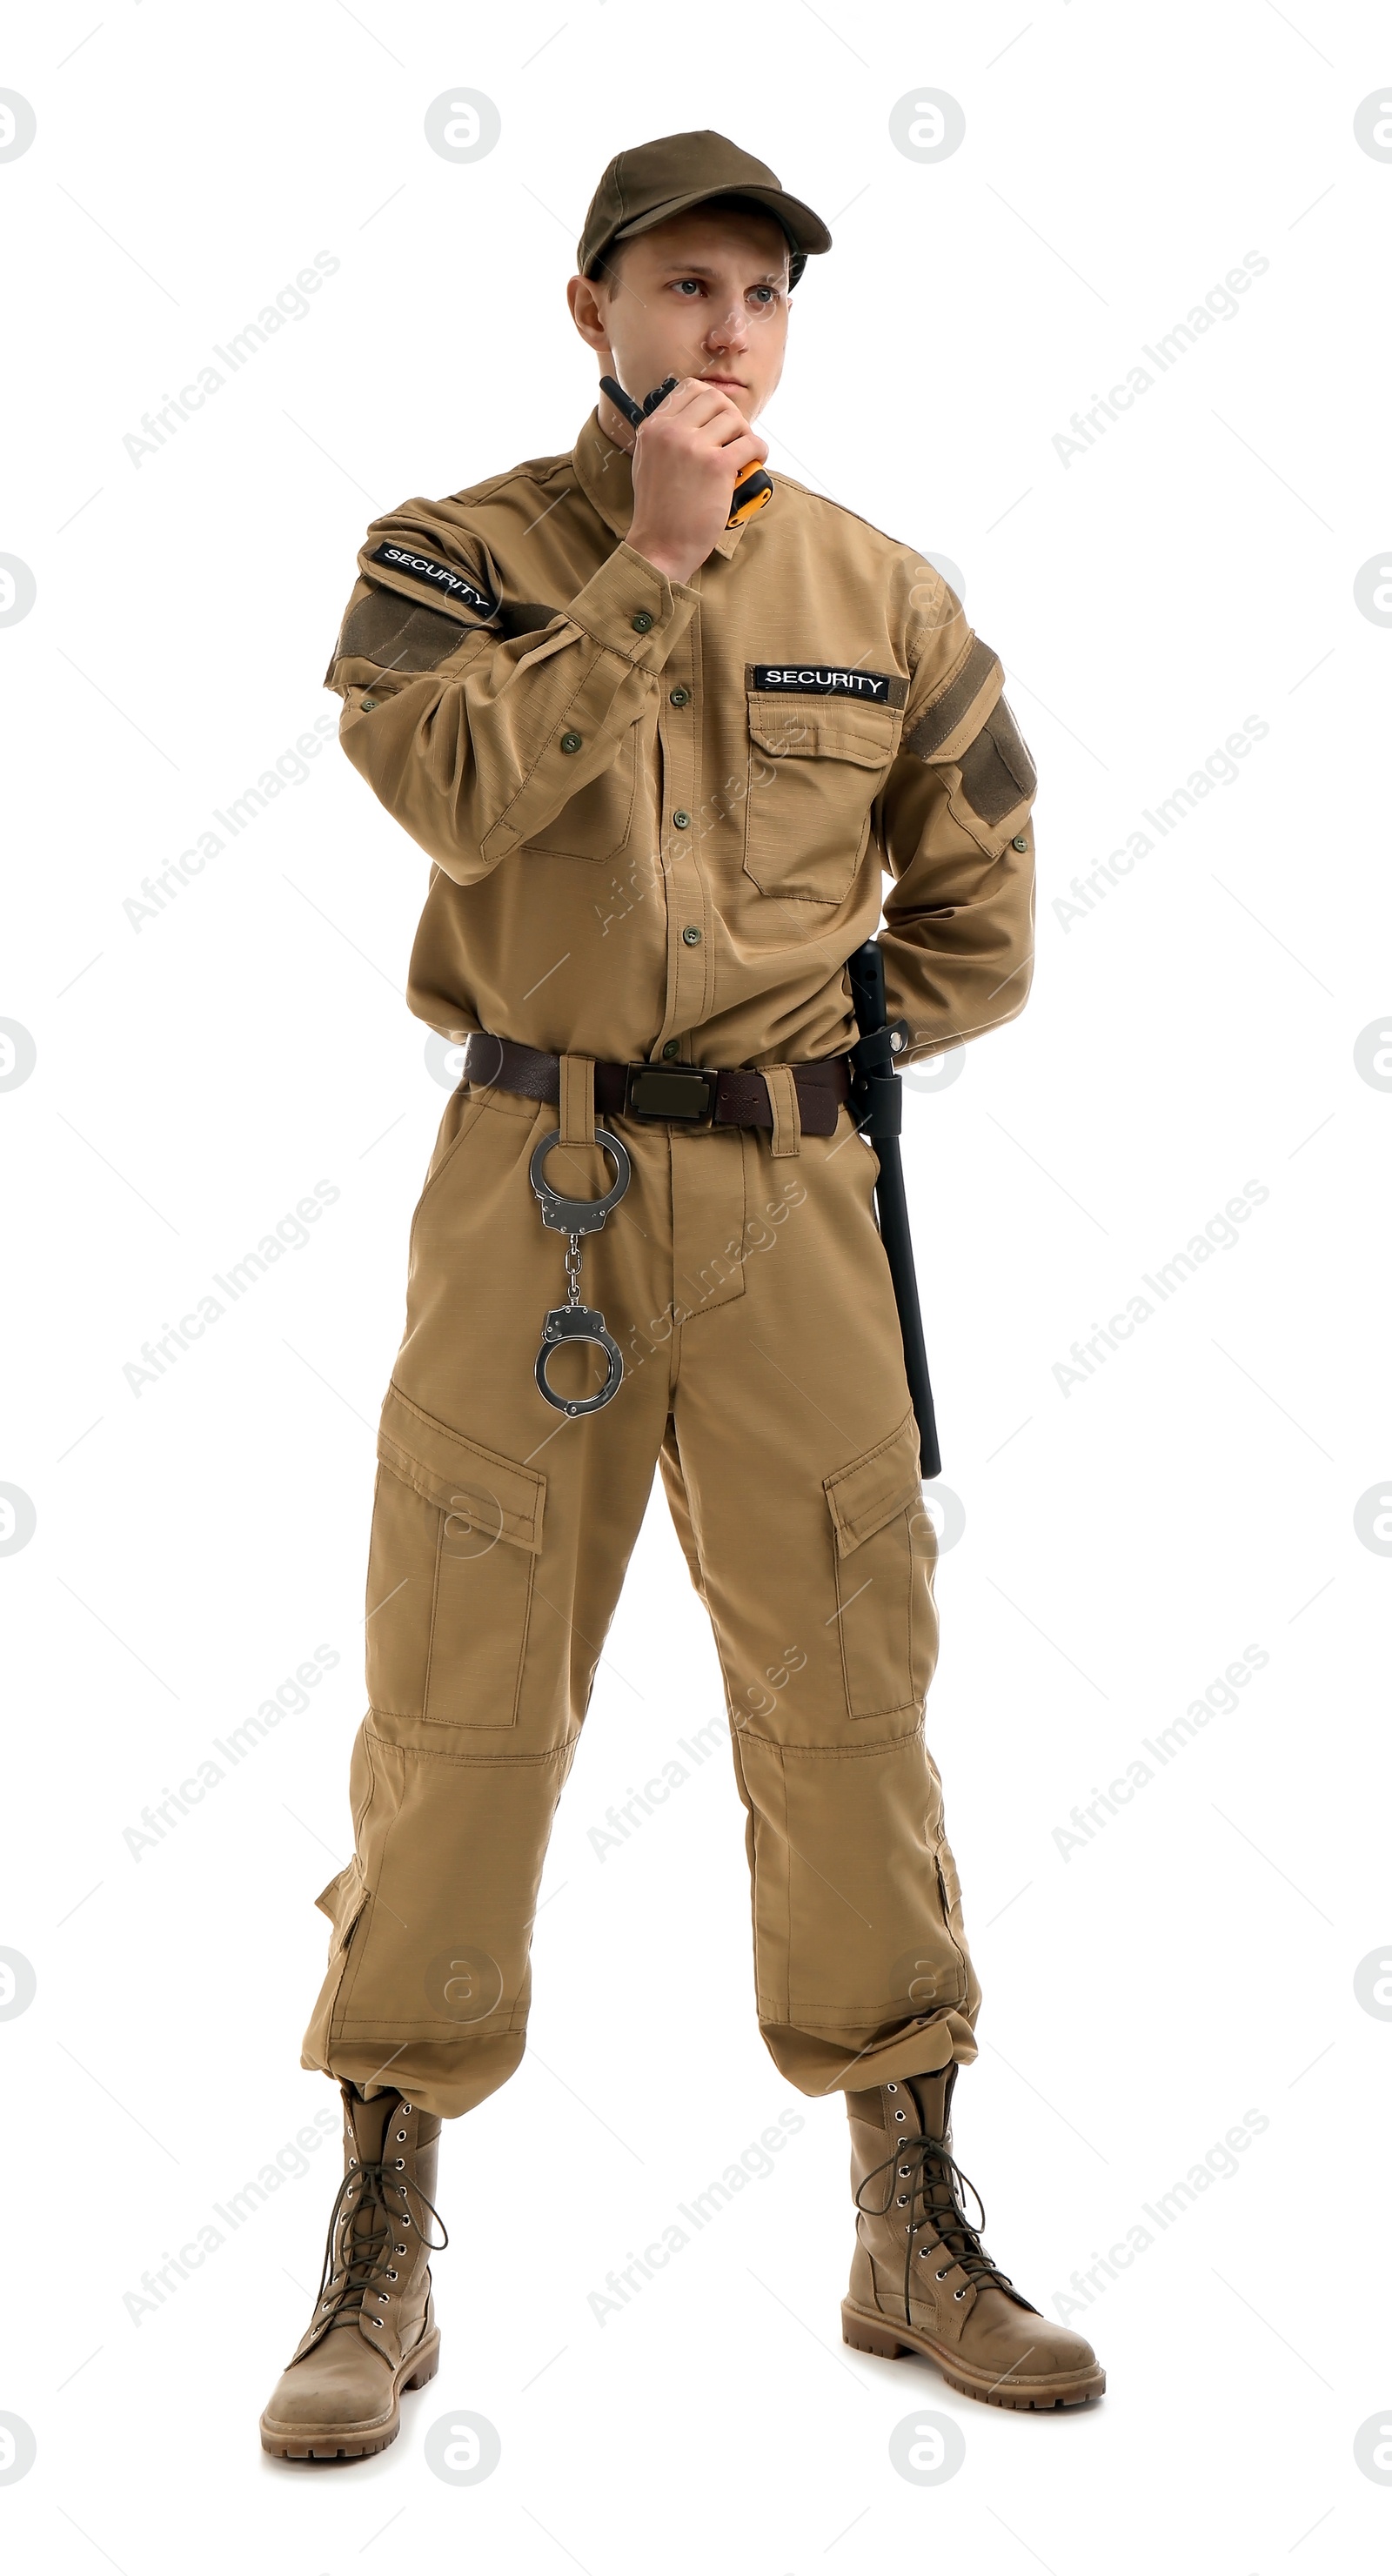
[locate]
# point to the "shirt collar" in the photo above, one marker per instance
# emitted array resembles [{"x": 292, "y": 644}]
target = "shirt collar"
[{"x": 604, "y": 475}]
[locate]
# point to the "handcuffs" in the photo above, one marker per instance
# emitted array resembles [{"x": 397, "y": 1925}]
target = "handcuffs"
[{"x": 573, "y": 1322}]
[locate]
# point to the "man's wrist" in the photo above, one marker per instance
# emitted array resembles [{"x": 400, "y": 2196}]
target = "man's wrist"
[{"x": 673, "y": 567}]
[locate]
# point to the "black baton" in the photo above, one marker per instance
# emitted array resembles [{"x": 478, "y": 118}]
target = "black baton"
[{"x": 877, "y": 1106}]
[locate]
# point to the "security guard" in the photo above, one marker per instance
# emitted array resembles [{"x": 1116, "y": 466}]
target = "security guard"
[{"x": 662, "y": 765}]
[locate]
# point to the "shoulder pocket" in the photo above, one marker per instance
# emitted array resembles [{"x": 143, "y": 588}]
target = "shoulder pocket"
[
  {"x": 814, "y": 773},
  {"x": 885, "y": 1548},
  {"x": 456, "y": 1530}
]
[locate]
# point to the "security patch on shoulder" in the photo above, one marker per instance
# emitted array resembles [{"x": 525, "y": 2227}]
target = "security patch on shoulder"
[
  {"x": 828, "y": 680},
  {"x": 442, "y": 578}
]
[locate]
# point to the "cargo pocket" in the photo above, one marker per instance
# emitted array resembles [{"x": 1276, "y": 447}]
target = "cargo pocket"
[
  {"x": 884, "y": 1550},
  {"x": 813, "y": 778},
  {"x": 456, "y": 1530},
  {"x": 950, "y": 1886},
  {"x": 344, "y": 1901}
]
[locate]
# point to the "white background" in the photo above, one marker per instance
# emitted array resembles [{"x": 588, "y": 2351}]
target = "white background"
[{"x": 1124, "y": 1541}]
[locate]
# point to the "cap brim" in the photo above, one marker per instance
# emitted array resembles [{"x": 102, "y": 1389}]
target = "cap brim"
[{"x": 805, "y": 231}]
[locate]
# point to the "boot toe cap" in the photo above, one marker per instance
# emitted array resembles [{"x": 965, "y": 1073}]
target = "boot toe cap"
[
  {"x": 1023, "y": 2346},
  {"x": 332, "y": 2389}
]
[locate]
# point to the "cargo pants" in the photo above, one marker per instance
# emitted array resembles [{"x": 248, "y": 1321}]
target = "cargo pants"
[{"x": 744, "y": 1279}]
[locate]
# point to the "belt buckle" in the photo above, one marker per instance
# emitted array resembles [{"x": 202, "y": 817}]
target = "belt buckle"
[{"x": 684, "y": 1092}]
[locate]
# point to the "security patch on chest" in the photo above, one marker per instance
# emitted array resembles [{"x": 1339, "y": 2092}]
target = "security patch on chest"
[
  {"x": 442, "y": 578},
  {"x": 828, "y": 680}
]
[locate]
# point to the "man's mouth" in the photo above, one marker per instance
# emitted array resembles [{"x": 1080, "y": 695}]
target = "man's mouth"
[{"x": 725, "y": 380}]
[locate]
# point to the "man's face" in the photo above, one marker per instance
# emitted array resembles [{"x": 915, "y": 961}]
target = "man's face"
[{"x": 705, "y": 294}]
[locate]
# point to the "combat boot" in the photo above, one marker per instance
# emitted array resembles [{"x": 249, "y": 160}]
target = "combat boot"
[
  {"x": 373, "y": 2331},
  {"x": 920, "y": 2278}
]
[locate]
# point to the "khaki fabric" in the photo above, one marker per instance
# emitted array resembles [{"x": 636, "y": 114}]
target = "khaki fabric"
[
  {"x": 661, "y": 817},
  {"x": 753, "y": 1304},
  {"x": 537, "y": 705}
]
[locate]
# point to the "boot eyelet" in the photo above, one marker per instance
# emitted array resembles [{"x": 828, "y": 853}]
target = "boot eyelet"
[
  {"x": 903, "y": 2200},
  {"x": 401, "y": 2249},
  {"x": 899, "y": 2115},
  {"x": 959, "y": 2294},
  {"x": 351, "y": 2163},
  {"x": 891, "y": 2088},
  {"x": 374, "y": 2321},
  {"x": 391, "y": 2275},
  {"x": 405, "y": 2106},
  {"x": 401, "y": 2164},
  {"x": 942, "y": 2276}
]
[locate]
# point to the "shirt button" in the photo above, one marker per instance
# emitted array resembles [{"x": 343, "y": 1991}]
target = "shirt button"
[
  {"x": 681, "y": 818},
  {"x": 1019, "y": 842},
  {"x": 692, "y": 938},
  {"x": 670, "y": 1049},
  {"x": 681, "y": 697},
  {"x": 368, "y": 705},
  {"x": 571, "y": 741},
  {"x": 641, "y": 622}
]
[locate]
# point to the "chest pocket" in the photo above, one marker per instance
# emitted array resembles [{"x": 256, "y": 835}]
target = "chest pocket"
[{"x": 815, "y": 769}]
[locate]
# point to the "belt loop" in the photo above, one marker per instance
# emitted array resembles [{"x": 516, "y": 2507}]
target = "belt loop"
[
  {"x": 787, "y": 1114},
  {"x": 577, "y": 1100}
]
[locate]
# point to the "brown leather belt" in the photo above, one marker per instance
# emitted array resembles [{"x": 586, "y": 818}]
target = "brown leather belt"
[{"x": 690, "y": 1095}]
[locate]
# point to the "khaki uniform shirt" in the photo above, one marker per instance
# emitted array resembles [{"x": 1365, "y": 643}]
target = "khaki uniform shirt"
[{"x": 661, "y": 813}]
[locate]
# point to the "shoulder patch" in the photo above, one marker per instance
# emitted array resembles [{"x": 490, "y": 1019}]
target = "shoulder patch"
[
  {"x": 997, "y": 771},
  {"x": 444, "y": 579},
  {"x": 399, "y": 634},
  {"x": 952, "y": 718}
]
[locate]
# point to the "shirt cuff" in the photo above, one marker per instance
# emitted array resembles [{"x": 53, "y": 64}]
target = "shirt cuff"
[{"x": 633, "y": 610}]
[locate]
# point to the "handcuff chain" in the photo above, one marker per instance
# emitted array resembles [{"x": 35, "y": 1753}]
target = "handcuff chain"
[{"x": 573, "y": 1259}]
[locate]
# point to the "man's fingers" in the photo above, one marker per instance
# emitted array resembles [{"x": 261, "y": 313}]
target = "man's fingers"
[
  {"x": 693, "y": 393},
  {"x": 743, "y": 452},
  {"x": 739, "y": 434},
  {"x": 699, "y": 402},
  {"x": 700, "y": 407}
]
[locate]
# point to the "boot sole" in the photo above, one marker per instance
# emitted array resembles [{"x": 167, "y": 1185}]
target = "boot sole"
[
  {"x": 890, "y": 2343},
  {"x": 330, "y": 2442}
]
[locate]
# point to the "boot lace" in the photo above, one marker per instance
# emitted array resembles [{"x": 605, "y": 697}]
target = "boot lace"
[
  {"x": 935, "y": 2199},
  {"x": 362, "y": 2232}
]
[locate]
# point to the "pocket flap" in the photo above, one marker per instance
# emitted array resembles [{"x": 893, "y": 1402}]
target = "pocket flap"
[
  {"x": 343, "y": 1901},
  {"x": 872, "y": 1489},
  {"x": 500, "y": 1498},
  {"x": 803, "y": 731}
]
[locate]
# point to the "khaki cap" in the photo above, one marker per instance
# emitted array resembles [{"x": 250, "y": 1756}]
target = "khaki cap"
[{"x": 644, "y": 186}]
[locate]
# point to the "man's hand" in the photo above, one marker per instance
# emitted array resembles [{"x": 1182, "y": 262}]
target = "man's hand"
[{"x": 687, "y": 458}]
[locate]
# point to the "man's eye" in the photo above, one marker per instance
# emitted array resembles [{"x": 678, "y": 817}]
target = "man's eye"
[{"x": 683, "y": 283}]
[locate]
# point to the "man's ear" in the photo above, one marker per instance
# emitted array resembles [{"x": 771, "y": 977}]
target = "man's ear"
[{"x": 587, "y": 312}]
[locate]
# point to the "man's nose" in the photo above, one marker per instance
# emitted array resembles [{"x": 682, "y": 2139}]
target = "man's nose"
[{"x": 728, "y": 330}]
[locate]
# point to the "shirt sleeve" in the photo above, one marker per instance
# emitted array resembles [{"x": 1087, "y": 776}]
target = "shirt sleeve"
[
  {"x": 958, "y": 939},
  {"x": 458, "y": 725}
]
